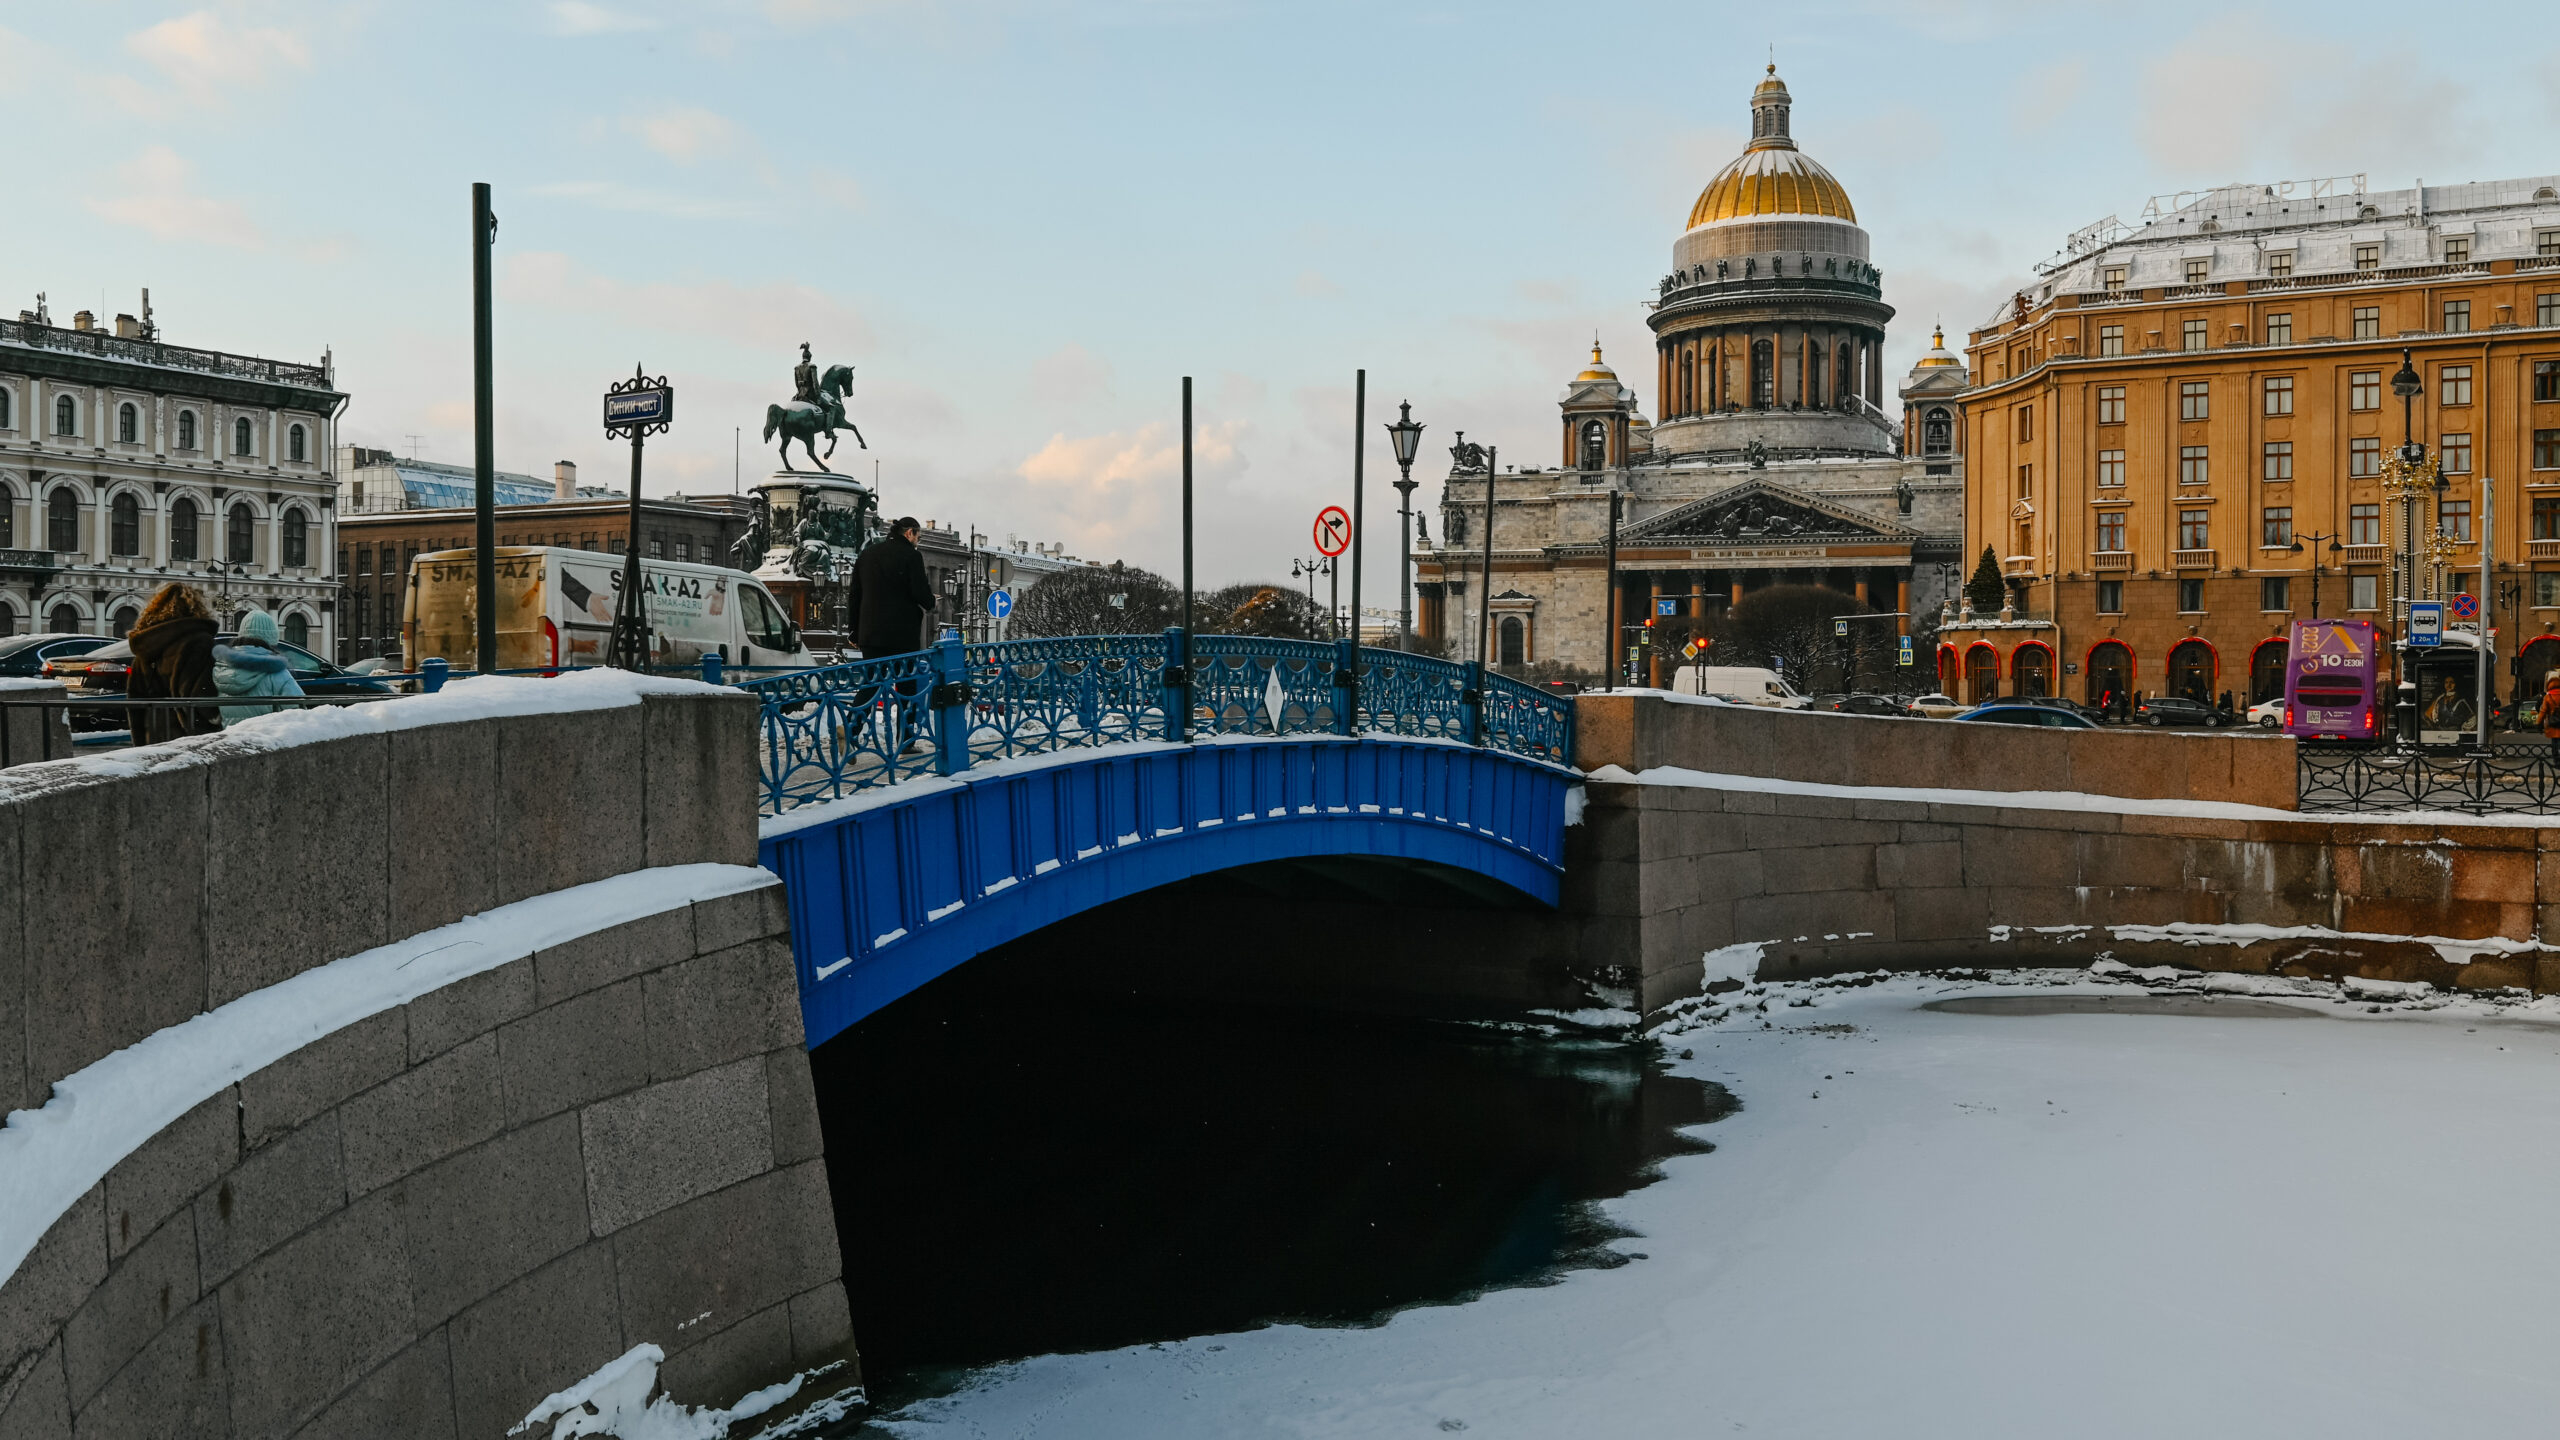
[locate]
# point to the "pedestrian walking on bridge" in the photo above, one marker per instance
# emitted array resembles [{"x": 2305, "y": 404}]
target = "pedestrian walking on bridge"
[
  {"x": 253, "y": 664},
  {"x": 172, "y": 658},
  {"x": 891, "y": 593}
]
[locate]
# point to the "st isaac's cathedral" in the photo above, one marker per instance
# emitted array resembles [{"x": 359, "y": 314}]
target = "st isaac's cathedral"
[{"x": 1775, "y": 461}]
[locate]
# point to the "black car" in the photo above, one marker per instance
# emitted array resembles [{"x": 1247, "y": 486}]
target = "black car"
[
  {"x": 26, "y": 654},
  {"x": 2165, "y": 710},
  {"x": 1871, "y": 705},
  {"x": 2089, "y": 713},
  {"x": 109, "y": 665}
]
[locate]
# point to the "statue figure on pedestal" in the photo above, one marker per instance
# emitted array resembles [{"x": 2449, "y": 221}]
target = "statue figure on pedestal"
[{"x": 816, "y": 408}]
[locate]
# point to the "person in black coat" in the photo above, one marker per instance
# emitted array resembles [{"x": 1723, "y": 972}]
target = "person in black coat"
[{"x": 891, "y": 594}]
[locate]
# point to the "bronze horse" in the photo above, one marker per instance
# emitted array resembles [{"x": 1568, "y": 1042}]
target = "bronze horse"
[{"x": 803, "y": 422}]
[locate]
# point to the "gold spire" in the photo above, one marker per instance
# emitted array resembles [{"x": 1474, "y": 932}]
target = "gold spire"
[
  {"x": 1938, "y": 353},
  {"x": 1598, "y": 370},
  {"x": 1771, "y": 177}
]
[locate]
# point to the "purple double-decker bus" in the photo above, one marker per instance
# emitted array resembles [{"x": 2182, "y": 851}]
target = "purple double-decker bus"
[{"x": 2329, "y": 679}]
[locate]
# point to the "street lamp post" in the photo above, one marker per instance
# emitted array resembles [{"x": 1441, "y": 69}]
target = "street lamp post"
[
  {"x": 1484, "y": 602},
  {"x": 1311, "y": 567},
  {"x": 2315, "y": 537},
  {"x": 1406, "y": 435},
  {"x": 2409, "y": 477}
]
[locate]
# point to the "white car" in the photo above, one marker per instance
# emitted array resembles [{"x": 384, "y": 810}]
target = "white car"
[{"x": 2267, "y": 714}]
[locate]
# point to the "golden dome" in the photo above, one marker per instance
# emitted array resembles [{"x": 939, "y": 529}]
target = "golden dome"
[
  {"x": 1598, "y": 371},
  {"x": 1772, "y": 177},
  {"x": 1938, "y": 352}
]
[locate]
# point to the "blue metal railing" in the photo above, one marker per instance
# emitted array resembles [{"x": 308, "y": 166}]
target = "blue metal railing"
[{"x": 848, "y": 728}]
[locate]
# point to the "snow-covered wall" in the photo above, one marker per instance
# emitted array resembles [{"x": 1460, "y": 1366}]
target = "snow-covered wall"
[
  {"x": 1640, "y": 731},
  {"x": 420, "y": 1059},
  {"x": 1695, "y": 876}
]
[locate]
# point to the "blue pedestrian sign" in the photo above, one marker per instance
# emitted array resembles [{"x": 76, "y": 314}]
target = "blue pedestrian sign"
[
  {"x": 1666, "y": 607},
  {"x": 1906, "y": 649},
  {"x": 2426, "y": 622},
  {"x": 999, "y": 603}
]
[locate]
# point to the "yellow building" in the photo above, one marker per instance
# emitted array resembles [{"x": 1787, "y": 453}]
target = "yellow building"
[{"x": 2179, "y": 429}]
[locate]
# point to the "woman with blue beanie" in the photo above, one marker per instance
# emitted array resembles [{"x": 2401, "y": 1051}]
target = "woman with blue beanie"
[{"x": 252, "y": 664}]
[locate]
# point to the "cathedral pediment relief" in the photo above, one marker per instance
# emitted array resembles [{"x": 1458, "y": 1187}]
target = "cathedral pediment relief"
[{"x": 1757, "y": 512}]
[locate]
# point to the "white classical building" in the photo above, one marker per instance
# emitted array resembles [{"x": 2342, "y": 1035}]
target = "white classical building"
[{"x": 126, "y": 463}]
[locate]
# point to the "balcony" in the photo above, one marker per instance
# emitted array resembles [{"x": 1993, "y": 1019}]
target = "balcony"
[
  {"x": 2106, "y": 560},
  {"x": 2368, "y": 555},
  {"x": 152, "y": 352},
  {"x": 2191, "y": 559},
  {"x": 2542, "y": 549},
  {"x": 2018, "y": 567}
]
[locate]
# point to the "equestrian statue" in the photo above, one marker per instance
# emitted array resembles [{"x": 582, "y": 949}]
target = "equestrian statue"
[{"x": 816, "y": 408}]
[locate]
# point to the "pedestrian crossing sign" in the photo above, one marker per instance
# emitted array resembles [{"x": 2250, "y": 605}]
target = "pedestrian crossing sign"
[{"x": 1906, "y": 649}]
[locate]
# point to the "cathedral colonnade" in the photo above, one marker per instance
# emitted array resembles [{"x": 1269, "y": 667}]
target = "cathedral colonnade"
[{"x": 1769, "y": 366}]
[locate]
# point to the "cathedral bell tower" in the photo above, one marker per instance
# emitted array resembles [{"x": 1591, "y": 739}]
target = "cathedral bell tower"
[{"x": 1601, "y": 427}]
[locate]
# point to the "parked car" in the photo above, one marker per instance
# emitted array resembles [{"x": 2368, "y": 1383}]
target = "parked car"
[
  {"x": 22, "y": 655},
  {"x": 106, "y": 668},
  {"x": 1938, "y": 707},
  {"x": 1871, "y": 705},
  {"x": 2267, "y": 714},
  {"x": 2014, "y": 712},
  {"x": 2166, "y": 710},
  {"x": 1827, "y": 701},
  {"x": 2090, "y": 713}
]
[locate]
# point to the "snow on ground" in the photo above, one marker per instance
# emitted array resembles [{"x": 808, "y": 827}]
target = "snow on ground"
[{"x": 2211, "y": 1221}]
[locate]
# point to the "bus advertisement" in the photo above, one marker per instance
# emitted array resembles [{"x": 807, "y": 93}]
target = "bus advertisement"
[{"x": 2329, "y": 679}]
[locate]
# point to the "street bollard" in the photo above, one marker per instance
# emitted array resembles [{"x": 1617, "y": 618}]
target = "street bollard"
[
  {"x": 711, "y": 667},
  {"x": 950, "y": 702},
  {"x": 432, "y": 673}
]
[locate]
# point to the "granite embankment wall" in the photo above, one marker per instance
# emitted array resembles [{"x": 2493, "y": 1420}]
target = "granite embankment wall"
[
  {"x": 1826, "y": 879},
  {"x": 424, "y": 1221}
]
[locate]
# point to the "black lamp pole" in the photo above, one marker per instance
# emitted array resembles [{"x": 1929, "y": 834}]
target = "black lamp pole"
[
  {"x": 484, "y": 234},
  {"x": 2315, "y": 537},
  {"x": 1609, "y": 602},
  {"x": 1406, "y": 436},
  {"x": 1484, "y": 602},
  {"x": 2406, "y": 384}
]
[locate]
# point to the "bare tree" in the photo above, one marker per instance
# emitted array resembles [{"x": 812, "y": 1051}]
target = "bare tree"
[
  {"x": 1258, "y": 608},
  {"x": 1114, "y": 599},
  {"x": 1788, "y": 628}
]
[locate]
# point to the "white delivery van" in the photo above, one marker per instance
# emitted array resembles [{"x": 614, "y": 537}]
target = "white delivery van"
[
  {"x": 555, "y": 609},
  {"x": 1747, "y": 683}
]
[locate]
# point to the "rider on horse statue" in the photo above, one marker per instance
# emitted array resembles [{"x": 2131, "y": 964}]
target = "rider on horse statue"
[{"x": 817, "y": 407}]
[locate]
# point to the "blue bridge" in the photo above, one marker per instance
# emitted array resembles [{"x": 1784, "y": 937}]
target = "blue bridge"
[{"x": 924, "y": 808}]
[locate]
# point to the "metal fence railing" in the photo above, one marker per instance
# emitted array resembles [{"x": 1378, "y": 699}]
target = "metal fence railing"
[
  {"x": 849, "y": 728},
  {"x": 2517, "y": 781}
]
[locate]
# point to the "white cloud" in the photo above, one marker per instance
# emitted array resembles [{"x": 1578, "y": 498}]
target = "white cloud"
[
  {"x": 773, "y": 317},
  {"x": 153, "y": 194},
  {"x": 685, "y": 133},
  {"x": 577, "y": 17},
  {"x": 1105, "y": 491},
  {"x": 2216, "y": 109},
  {"x": 640, "y": 200},
  {"x": 207, "y": 59}
]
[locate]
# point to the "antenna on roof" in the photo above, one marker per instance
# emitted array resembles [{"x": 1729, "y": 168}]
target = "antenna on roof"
[{"x": 413, "y": 447}]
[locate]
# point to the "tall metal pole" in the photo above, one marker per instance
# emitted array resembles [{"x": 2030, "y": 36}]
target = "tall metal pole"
[
  {"x": 1609, "y": 602},
  {"x": 1484, "y": 602},
  {"x": 1186, "y": 530},
  {"x": 1359, "y": 522},
  {"x": 2481, "y": 695},
  {"x": 1404, "y": 560},
  {"x": 631, "y": 614},
  {"x": 484, "y": 228}
]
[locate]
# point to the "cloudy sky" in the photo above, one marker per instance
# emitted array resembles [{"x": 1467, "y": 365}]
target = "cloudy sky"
[{"x": 1024, "y": 221}]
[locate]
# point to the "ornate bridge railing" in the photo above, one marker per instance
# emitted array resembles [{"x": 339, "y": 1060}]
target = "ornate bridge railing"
[
  {"x": 2513, "y": 781},
  {"x": 873, "y": 723}
]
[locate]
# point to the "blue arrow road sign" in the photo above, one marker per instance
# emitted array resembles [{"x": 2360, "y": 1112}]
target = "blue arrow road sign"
[
  {"x": 1906, "y": 649},
  {"x": 999, "y": 603},
  {"x": 2426, "y": 622},
  {"x": 1666, "y": 607}
]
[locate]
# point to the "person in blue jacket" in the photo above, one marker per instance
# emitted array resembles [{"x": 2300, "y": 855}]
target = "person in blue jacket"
[{"x": 252, "y": 665}]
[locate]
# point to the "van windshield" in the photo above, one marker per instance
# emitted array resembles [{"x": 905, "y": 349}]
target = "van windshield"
[{"x": 765, "y": 625}]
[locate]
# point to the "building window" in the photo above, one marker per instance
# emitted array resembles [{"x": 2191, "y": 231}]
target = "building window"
[
  {"x": 2364, "y": 524},
  {"x": 2279, "y": 460},
  {"x": 2368, "y": 320},
  {"x": 2364, "y": 390},
  {"x": 2279, "y": 394},
  {"x": 614, "y": 546},
  {"x": 2110, "y": 468},
  {"x": 2364, "y": 592},
  {"x": 63, "y": 621},
  {"x": 186, "y": 429},
  {"x": 2546, "y": 309},
  {"x": 2110, "y": 532},
  {"x": 2280, "y": 265},
  {"x": 2453, "y": 387},
  {"x": 684, "y": 547},
  {"x": 1937, "y": 434},
  {"x": 2453, "y": 518},
  {"x": 2191, "y": 596},
  {"x": 2456, "y": 454},
  {"x": 2110, "y": 404},
  {"x": 2198, "y": 271},
  {"x": 1764, "y": 375},
  {"x": 2457, "y": 249},
  {"x": 8, "y": 524},
  {"x": 239, "y": 536},
  {"x": 2192, "y": 469},
  {"x": 2275, "y": 592},
  {"x": 297, "y": 629},
  {"x": 2546, "y": 449},
  {"x": 2195, "y": 400},
  {"x": 2546, "y": 517},
  {"x": 243, "y": 435},
  {"x": 121, "y": 623},
  {"x": 8, "y": 400},
  {"x": 62, "y": 521},
  {"x": 2110, "y": 597},
  {"x": 2280, "y": 329},
  {"x": 297, "y": 540},
  {"x": 657, "y": 547},
  {"x": 2195, "y": 531},
  {"x": 66, "y": 417},
  {"x": 293, "y": 445},
  {"x": 2192, "y": 334},
  {"x": 2546, "y": 588},
  {"x": 124, "y": 526},
  {"x": 128, "y": 425},
  {"x": 2026, "y": 423},
  {"x": 2026, "y": 481},
  {"x": 1514, "y": 642},
  {"x": 2275, "y": 526},
  {"x": 2110, "y": 339},
  {"x": 2546, "y": 242},
  {"x": 1595, "y": 446},
  {"x": 2364, "y": 457},
  {"x": 2368, "y": 257},
  {"x": 2457, "y": 316},
  {"x": 182, "y": 529},
  {"x": 2113, "y": 278}
]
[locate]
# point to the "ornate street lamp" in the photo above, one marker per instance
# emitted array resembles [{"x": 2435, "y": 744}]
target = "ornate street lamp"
[
  {"x": 1406, "y": 435},
  {"x": 2410, "y": 477},
  {"x": 2315, "y": 537},
  {"x": 1311, "y": 567}
]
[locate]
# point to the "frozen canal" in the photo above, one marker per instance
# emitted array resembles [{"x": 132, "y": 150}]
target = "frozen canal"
[{"x": 1927, "y": 1222}]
